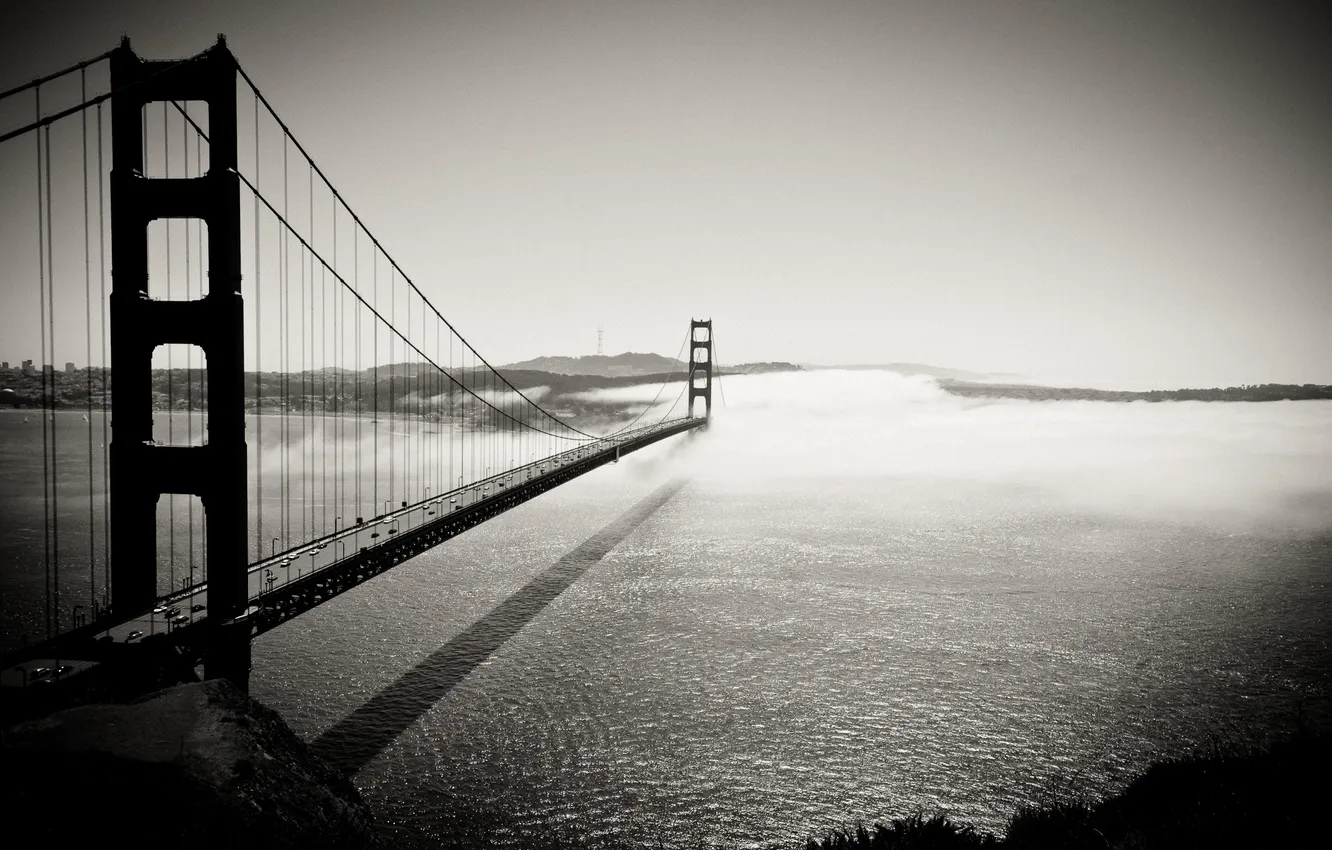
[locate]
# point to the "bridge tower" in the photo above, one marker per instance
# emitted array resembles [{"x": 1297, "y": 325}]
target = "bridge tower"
[
  {"x": 700, "y": 365},
  {"x": 142, "y": 470}
]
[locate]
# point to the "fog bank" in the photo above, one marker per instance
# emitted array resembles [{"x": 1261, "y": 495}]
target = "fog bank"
[{"x": 1235, "y": 464}]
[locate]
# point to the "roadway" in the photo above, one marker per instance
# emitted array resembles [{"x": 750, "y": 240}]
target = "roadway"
[{"x": 189, "y": 607}]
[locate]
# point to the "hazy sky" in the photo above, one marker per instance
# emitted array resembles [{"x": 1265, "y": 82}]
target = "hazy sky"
[{"x": 1134, "y": 193}]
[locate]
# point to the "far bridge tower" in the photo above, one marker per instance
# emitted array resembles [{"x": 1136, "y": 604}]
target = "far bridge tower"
[{"x": 700, "y": 365}]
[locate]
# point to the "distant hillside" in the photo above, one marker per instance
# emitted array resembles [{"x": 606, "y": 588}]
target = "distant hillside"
[
  {"x": 559, "y": 385},
  {"x": 762, "y": 368},
  {"x": 606, "y": 366}
]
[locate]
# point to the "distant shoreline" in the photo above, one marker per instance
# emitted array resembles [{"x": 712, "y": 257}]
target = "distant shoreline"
[
  {"x": 1247, "y": 393},
  {"x": 567, "y": 391}
]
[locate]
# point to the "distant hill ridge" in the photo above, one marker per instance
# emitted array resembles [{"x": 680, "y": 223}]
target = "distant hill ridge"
[{"x": 604, "y": 365}]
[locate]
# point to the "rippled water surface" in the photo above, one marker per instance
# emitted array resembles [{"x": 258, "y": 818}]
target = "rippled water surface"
[
  {"x": 755, "y": 662},
  {"x": 869, "y": 597}
]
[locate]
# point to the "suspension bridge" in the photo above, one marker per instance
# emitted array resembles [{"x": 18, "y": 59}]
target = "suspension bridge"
[{"x": 271, "y": 412}]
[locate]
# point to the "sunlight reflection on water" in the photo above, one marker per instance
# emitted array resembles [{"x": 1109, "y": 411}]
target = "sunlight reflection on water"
[
  {"x": 768, "y": 656},
  {"x": 871, "y": 597}
]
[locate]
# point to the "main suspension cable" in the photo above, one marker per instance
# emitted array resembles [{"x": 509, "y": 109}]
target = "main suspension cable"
[
  {"x": 396, "y": 269},
  {"x": 407, "y": 342},
  {"x": 393, "y": 263},
  {"x": 40, "y": 81},
  {"x": 46, "y": 121}
]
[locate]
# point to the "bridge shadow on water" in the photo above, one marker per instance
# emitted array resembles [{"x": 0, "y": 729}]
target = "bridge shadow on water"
[{"x": 350, "y": 744}]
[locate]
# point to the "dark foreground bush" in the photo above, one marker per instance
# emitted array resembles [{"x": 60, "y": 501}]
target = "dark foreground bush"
[{"x": 1227, "y": 798}]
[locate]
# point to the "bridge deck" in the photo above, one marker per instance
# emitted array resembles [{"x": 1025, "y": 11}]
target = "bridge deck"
[{"x": 298, "y": 579}]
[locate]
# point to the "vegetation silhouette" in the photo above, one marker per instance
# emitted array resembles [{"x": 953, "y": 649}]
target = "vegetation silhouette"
[{"x": 1223, "y": 796}]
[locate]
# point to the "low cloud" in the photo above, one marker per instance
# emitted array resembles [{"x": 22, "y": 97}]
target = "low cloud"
[{"x": 1228, "y": 463}]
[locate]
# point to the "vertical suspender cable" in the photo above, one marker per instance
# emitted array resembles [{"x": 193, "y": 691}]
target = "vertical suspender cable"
[
  {"x": 55, "y": 454},
  {"x": 284, "y": 341},
  {"x": 441, "y": 485},
  {"x": 337, "y": 395},
  {"x": 393, "y": 322},
  {"x": 450, "y": 419},
  {"x": 189, "y": 355},
  {"x": 41, "y": 325},
  {"x": 356, "y": 274},
  {"x": 414, "y": 430},
  {"x": 106, "y": 457},
  {"x": 203, "y": 378},
  {"x": 302, "y": 316},
  {"x": 374, "y": 468},
  {"x": 87, "y": 318},
  {"x": 314, "y": 381},
  {"x": 171, "y": 395},
  {"x": 435, "y": 384},
  {"x": 258, "y": 361},
  {"x": 323, "y": 379},
  {"x": 404, "y": 469},
  {"x": 312, "y": 421}
]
